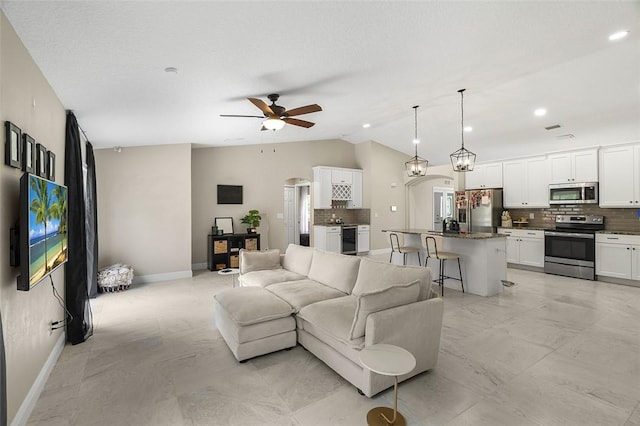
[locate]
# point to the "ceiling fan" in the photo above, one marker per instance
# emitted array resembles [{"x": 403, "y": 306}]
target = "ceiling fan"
[{"x": 277, "y": 116}]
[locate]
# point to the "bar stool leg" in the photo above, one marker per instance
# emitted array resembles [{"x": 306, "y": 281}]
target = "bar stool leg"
[
  {"x": 404, "y": 258},
  {"x": 441, "y": 277},
  {"x": 460, "y": 270},
  {"x": 419, "y": 261},
  {"x": 390, "y": 256}
]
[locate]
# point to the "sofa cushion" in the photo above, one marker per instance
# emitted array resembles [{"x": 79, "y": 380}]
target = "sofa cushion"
[
  {"x": 298, "y": 259},
  {"x": 301, "y": 293},
  {"x": 252, "y": 260},
  {"x": 332, "y": 318},
  {"x": 268, "y": 277},
  {"x": 335, "y": 270},
  {"x": 373, "y": 276},
  {"x": 251, "y": 305},
  {"x": 380, "y": 300}
]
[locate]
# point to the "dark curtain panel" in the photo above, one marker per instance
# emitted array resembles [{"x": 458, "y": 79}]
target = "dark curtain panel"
[
  {"x": 92, "y": 224},
  {"x": 3, "y": 381},
  {"x": 80, "y": 327}
]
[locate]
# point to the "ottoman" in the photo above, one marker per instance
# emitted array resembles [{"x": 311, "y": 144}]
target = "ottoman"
[{"x": 254, "y": 322}]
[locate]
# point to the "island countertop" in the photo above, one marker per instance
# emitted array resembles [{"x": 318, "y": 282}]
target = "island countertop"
[{"x": 466, "y": 235}]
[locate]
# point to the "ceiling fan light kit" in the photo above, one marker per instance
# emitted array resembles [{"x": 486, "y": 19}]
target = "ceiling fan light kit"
[
  {"x": 416, "y": 166},
  {"x": 462, "y": 160},
  {"x": 276, "y": 116}
]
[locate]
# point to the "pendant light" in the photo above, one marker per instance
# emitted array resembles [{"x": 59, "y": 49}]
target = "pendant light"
[
  {"x": 462, "y": 160},
  {"x": 416, "y": 166}
]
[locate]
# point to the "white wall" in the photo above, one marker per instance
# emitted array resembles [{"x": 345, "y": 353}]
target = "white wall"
[
  {"x": 144, "y": 208},
  {"x": 26, "y": 315}
]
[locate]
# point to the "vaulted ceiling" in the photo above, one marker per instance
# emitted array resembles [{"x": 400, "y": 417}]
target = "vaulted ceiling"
[{"x": 362, "y": 61}]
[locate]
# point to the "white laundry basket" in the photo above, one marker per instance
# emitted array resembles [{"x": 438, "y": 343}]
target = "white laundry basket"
[{"x": 115, "y": 277}]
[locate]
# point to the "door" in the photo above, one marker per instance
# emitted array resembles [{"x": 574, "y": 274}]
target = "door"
[
  {"x": 513, "y": 184},
  {"x": 537, "y": 182},
  {"x": 512, "y": 250},
  {"x": 532, "y": 251},
  {"x": 635, "y": 262},
  {"x": 616, "y": 165},
  {"x": 290, "y": 214},
  {"x": 334, "y": 242},
  {"x": 442, "y": 206}
]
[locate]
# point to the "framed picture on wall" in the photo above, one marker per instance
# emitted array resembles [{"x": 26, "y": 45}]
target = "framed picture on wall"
[
  {"x": 28, "y": 153},
  {"x": 41, "y": 160},
  {"x": 12, "y": 145},
  {"x": 51, "y": 165}
]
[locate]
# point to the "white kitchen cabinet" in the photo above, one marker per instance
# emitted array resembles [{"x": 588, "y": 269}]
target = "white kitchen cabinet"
[
  {"x": 356, "y": 191},
  {"x": 620, "y": 176},
  {"x": 574, "y": 166},
  {"x": 486, "y": 175},
  {"x": 337, "y": 184},
  {"x": 363, "y": 238},
  {"x": 341, "y": 176},
  {"x": 618, "y": 256},
  {"x": 526, "y": 183},
  {"x": 524, "y": 247},
  {"x": 327, "y": 238}
]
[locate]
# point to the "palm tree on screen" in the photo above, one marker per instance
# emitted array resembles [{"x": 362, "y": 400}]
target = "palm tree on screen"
[{"x": 40, "y": 206}]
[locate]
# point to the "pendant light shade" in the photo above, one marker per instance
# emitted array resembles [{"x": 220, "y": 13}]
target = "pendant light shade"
[
  {"x": 462, "y": 160},
  {"x": 416, "y": 166}
]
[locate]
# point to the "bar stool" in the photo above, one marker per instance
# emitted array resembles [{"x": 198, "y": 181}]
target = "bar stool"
[
  {"x": 395, "y": 247},
  {"x": 432, "y": 248}
]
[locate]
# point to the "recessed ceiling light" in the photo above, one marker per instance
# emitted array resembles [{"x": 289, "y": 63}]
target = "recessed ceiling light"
[
  {"x": 173, "y": 70},
  {"x": 468, "y": 128},
  {"x": 618, "y": 35},
  {"x": 540, "y": 112},
  {"x": 366, "y": 125},
  {"x": 416, "y": 141}
]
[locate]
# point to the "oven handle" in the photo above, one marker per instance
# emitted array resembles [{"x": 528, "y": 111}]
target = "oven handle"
[{"x": 569, "y": 234}]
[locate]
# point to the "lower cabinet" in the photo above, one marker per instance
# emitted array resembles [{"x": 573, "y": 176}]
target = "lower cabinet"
[
  {"x": 363, "y": 238},
  {"x": 618, "y": 256},
  {"x": 524, "y": 247},
  {"x": 327, "y": 238},
  {"x": 223, "y": 250}
]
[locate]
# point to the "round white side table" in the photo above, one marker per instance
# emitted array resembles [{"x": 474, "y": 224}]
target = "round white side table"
[
  {"x": 388, "y": 360},
  {"x": 230, "y": 271}
]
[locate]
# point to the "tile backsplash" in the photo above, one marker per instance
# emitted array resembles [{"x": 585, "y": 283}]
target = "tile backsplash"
[
  {"x": 361, "y": 216},
  {"x": 615, "y": 219}
]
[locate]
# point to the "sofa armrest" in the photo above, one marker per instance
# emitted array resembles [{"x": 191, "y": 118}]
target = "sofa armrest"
[{"x": 415, "y": 327}]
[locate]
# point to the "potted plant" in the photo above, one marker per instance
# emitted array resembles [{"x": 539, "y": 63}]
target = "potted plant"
[{"x": 253, "y": 220}]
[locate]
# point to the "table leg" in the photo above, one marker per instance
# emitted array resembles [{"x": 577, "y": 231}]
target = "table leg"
[
  {"x": 395, "y": 403},
  {"x": 376, "y": 416}
]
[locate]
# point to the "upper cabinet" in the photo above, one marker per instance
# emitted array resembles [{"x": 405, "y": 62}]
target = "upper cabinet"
[
  {"x": 575, "y": 166},
  {"x": 487, "y": 175},
  {"x": 620, "y": 176},
  {"x": 526, "y": 183},
  {"x": 337, "y": 187}
]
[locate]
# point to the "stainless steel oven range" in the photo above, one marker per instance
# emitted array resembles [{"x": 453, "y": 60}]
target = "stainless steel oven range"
[{"x": 570, "y": 249}]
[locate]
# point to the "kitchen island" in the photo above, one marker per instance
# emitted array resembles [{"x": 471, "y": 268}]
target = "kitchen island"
[{"x": 483, "y": 258}]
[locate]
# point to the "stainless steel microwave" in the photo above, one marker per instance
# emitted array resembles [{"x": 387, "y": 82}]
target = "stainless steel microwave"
[{"x": 573, "y": 193}]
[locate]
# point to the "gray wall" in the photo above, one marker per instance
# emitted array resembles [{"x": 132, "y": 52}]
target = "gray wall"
[
  {"x": 144, "y": 208},
  {"x": 28, "y": 101},
  {"x": 262, "y": 170}
]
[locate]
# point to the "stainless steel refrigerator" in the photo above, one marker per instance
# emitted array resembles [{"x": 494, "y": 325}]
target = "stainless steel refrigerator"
[{"x": 478, "y": 210}]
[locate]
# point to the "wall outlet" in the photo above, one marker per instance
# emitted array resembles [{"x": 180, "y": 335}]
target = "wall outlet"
[{"x": 532, "y": 216}]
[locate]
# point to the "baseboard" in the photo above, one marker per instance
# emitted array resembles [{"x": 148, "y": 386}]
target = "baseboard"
[
  {"x": 198, "y": 266},
  {"x": 144, "y": 279},
  {"x": 380, "y": 251},
  {"x": 22, "y": 416},
  {"x": 614, "y": 280}
]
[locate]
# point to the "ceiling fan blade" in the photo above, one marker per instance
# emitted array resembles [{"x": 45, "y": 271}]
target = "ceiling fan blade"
[
  {"x": 296, "y": 122},
  {"x": 261, "y": 105},
  {"x": 247, "y": 116},
  {"x": 304, "y": 110}
]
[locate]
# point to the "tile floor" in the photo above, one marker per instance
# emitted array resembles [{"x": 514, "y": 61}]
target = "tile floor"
[{"x": 549, "y": 351}]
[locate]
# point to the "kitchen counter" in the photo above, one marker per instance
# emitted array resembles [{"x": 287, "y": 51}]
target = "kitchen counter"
[
  {"x": 339, "y": 224},
  {"x": 531, "y": 228},
  {"x": 619, "y": 232},
  {"x": 483, "y": 258}
]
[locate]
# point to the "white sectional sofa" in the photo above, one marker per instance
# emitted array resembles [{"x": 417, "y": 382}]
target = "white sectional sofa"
[{"x": 340, "y": 305}]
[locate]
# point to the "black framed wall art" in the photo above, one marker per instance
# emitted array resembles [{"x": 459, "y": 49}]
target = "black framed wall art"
[
  {"x": 12, "y": 145},
  {"x": 41, "y": 160},
  {"x": 51, "y": 165},
  {"x": 28, "y": 153}
]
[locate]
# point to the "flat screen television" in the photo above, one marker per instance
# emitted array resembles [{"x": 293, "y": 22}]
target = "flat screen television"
[
  {"x": 229, "y": 194},
  {"x": 43, "y": 229}
]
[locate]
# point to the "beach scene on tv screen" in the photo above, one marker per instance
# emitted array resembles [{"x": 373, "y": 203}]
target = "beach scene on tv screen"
[{"x": 47, "y": 227}]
